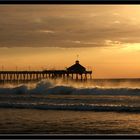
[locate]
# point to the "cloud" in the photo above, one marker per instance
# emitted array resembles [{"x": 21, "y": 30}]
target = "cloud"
[
  {"x": 117, "y": 22},
  {"x": 67, "y": 26},
  {"x": 46, "y": 31}
]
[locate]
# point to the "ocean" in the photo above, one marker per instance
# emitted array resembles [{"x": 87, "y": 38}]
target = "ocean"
[{"x": 98, "y": 106}]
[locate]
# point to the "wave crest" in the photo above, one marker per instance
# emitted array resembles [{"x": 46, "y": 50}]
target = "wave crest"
[{"x": 48, "y": 87}]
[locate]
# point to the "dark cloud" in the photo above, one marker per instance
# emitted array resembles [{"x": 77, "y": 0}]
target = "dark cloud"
[{"x": 66, "y": 26}]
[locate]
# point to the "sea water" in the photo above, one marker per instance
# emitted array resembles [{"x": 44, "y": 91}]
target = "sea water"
[{"x": 98, "y": 106}]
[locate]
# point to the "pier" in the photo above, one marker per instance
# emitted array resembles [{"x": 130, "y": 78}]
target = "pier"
[{"x": 75, "y": 72}]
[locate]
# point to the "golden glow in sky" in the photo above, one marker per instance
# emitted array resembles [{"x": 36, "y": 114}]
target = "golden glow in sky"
[{"x": 106, "y": 38}]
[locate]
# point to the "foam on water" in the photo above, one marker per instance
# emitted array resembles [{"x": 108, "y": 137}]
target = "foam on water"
[
  {"x": 70, "y": 96},
  {"x": 57, "y": 87}
]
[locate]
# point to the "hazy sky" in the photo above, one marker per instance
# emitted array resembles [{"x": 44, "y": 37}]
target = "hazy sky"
[{"x": 106, "y": 38}]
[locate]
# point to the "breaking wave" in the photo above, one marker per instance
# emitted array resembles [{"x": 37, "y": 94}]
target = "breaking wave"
[
  {"x": 57, "y": 95},
  {"x": 48, "y": 87},
  {"x": 73, "y": 107}
]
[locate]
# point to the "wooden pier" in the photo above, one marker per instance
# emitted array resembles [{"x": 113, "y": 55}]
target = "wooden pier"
[
  {"x": 75, "y": 72},
  {"x": 10, "y": 76}
]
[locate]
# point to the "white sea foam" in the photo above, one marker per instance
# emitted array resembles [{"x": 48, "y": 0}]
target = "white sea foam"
[
  {"x": 75, "y": 107},
  {"x": 53, "y": 87},
  {"x": 61, "y": 95}
]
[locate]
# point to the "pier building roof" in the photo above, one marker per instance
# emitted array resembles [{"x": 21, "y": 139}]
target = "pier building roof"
[{"x": 77, "y": 68}]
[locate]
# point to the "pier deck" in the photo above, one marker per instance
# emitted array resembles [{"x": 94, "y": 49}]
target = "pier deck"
[{"x": 45, "y": 74}]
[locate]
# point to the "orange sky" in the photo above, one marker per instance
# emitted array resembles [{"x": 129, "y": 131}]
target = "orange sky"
[{"x": 106, "y": 38}]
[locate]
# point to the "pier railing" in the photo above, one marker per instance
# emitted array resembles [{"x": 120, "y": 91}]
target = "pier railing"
[{"x": 10, "y": 76}]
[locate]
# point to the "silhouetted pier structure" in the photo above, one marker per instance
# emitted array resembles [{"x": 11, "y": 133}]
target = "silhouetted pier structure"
[{"x": 75, "y": 72}]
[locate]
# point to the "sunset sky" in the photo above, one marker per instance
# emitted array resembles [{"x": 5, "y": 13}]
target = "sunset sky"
[{"x": 106, "y": 38}]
